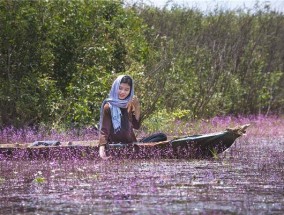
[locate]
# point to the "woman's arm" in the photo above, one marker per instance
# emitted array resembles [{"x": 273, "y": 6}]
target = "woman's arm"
[
  {"x": 137, "y": 110},
  {"x": 136, "y": 123},
  {"x": 104, "y": 132},
  {"x": 134, "y": 109},
  {"x": 106, "y": 126},
  {"x": 134, "y": 106}
]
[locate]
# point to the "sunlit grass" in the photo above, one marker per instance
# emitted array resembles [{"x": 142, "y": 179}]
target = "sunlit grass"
[{"x": 28, "y": 135}]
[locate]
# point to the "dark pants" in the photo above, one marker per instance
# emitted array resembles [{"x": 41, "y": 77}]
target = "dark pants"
[{"x": 157, "y": 137}]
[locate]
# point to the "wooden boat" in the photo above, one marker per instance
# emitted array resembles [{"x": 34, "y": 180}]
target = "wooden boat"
[{"x": 195, "y": 146}]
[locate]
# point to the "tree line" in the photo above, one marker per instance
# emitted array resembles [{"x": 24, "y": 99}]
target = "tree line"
[{"x": 58, "y": 59}]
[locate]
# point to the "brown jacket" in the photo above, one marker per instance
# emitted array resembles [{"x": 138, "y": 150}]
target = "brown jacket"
[{"x": 125, "y": 134}]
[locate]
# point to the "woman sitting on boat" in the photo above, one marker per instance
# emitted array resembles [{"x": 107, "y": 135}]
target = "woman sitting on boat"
[{"x": 120, "y": 114}]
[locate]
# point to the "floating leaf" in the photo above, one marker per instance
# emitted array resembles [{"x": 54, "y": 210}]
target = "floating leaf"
[
  {"x": 39, "y": 180},
  {"x": 2, "y": 180}
]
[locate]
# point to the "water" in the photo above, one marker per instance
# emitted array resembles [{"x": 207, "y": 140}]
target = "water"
[{"x": 246, "y": 179}]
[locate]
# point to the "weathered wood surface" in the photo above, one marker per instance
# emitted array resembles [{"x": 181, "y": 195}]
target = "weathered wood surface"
[{"x": 195, "y": 146}]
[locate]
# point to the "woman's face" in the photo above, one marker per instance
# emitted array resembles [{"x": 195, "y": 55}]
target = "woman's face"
[{"x": 123, "y": 91}]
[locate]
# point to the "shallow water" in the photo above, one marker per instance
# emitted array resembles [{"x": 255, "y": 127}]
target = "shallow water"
[{"x": 246, "y": 179}]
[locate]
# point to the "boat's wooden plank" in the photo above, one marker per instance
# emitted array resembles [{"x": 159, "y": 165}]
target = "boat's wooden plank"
[
  {"x": 188, "y": 146},
  {"x": 62, "y": 144}
]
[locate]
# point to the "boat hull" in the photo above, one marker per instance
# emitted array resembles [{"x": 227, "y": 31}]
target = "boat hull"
[{"x": 189, "y": 147}]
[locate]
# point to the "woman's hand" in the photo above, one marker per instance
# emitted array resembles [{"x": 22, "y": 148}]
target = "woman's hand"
[
  {"x": 102, "y": 153},
  {"x": 134, "y": 105}
]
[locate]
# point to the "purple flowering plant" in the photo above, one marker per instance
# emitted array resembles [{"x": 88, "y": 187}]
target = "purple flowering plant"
[{"x": 248, "y": 178}]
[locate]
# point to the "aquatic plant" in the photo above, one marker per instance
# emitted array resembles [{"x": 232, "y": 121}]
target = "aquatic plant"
[
  {"x": 31, "y": 134},
  {"x": 246, "y": 179}
]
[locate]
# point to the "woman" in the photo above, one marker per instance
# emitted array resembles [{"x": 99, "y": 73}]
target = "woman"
[{"x": 120, "y": 114}]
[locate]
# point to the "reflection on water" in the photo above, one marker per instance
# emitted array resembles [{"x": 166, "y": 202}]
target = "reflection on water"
[{"x": 246, "y": 179}]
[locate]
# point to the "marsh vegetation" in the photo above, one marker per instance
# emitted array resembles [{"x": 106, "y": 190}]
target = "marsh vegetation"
[{"x": 246, "y": 179}]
